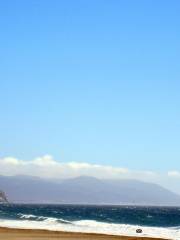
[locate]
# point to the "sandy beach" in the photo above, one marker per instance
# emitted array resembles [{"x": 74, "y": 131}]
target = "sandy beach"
[{"x": 26, "y": 234}]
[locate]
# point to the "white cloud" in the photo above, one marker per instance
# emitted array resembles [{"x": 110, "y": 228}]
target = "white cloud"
[
  {"x": 11, "y": 161},
  {"x": 46, "y": 160},
  {"x": 175, "y": 174},
  {"x": 46, "y": 166}
]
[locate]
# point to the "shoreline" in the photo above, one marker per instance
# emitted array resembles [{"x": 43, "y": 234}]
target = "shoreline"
[{"x": 35, "y": 234}]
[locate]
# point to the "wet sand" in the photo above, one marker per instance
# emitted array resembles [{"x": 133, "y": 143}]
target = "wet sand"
[{"x": 25, "y": 234}]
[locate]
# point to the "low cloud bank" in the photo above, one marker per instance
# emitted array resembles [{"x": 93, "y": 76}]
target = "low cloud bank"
[{"x": 47, "y": 167}]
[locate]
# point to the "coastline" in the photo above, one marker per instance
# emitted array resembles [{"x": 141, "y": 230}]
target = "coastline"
[{"x": 34, "y": 234}]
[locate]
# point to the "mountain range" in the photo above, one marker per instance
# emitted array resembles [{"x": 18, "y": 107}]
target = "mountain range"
[{"x": 85, "y": 190}]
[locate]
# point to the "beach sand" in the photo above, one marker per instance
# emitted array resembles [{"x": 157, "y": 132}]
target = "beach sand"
[{"x": 24, "y": 234}]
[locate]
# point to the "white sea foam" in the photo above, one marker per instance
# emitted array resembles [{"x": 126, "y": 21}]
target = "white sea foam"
[
  {"x": 27, "y": 216},
  {"x": 38, "y": 218},
  {"x": 90, "y": 226}
]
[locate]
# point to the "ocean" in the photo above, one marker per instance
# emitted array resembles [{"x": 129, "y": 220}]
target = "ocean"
[{"x": 117, "y": 220}]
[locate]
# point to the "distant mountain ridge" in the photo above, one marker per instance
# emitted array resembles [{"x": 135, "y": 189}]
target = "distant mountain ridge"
[{"x": 86, "y": 190}]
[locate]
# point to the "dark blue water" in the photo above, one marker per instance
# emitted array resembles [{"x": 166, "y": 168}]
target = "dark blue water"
[{"x": 143, "y": 216}]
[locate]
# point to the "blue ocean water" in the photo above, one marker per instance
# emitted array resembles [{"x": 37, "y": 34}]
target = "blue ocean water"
[{"x": 118, "y": 220}]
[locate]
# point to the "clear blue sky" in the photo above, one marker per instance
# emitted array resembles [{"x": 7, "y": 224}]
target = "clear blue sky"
[{"x": 94, "y": 81}]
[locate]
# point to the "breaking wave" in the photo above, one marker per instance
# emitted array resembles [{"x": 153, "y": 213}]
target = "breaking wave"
[
  {"x": 26, "y": 221},
  {"x": 41, "y": 218}
]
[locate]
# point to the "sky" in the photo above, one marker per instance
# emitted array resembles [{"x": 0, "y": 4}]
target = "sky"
[{"x": 91, "y": 82}]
